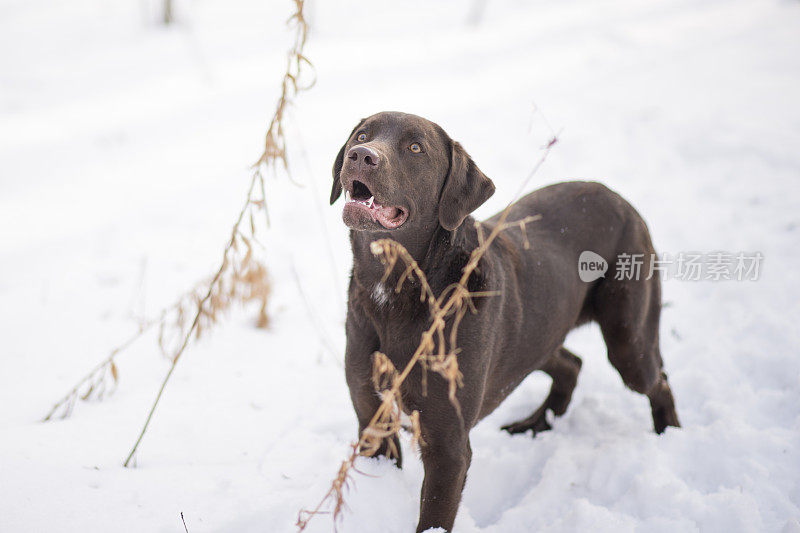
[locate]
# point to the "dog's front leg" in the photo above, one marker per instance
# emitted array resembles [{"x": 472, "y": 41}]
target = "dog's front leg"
[
  {"x": 366, "y": 403},
  {"x": 446, "y": 455},
  {"x": 362, "y": 342}
]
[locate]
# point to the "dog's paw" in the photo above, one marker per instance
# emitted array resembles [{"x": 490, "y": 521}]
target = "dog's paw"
[{"x": 537, "y": 423}]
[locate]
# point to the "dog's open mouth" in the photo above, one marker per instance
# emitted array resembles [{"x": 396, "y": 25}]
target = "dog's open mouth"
[{"x": 390, "y": 217}]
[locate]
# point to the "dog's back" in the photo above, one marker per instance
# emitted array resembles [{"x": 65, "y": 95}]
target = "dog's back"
[{"x": 579, "y": 217}]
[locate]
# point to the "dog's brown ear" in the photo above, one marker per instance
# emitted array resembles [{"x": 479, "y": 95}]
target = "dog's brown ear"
[
  {"x": 465, "y": 189},
  {"x": 336, "y": 189}
]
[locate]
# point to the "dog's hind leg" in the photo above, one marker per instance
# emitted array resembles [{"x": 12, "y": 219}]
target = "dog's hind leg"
[
  {"x": 628, "y": 312},
  {"x": 563, "y": 367},
  {"x": 641, "y": 370}
]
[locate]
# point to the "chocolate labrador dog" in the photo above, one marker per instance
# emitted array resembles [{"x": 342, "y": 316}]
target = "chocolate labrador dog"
[{"x": 404, "y": 178}]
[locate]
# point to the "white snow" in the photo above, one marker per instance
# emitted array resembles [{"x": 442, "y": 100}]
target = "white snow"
[{"x": 124, "y": 155}]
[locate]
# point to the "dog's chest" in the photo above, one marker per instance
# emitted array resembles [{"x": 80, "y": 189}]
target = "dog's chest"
[
  {"x": 380, "y": 295},
  {"x": 398, "y": 317},
  {"x": 386, "y": 303}
]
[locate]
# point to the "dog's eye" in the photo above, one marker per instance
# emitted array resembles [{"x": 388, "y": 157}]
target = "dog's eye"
[
  {"x": 361, "y": 137},
  {"x": 415, "y": 147}
]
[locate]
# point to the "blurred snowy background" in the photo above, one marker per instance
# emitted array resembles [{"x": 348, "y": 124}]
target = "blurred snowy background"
[{"x": 125, "y": 148}]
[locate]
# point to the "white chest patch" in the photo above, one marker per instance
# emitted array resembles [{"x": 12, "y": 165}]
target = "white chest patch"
[{"x": 380, "y": 295}]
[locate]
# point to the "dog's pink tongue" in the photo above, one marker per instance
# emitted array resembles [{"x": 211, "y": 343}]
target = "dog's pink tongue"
[
  {"x": 388, "y": 212},
  {"x": 387, "y": 216}
]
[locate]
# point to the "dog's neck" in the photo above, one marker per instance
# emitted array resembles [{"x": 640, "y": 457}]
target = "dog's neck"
[{"x": 442, "y": 249}]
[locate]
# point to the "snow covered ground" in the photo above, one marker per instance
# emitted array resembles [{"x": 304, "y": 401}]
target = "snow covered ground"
[{"x": 124, "y": 154}]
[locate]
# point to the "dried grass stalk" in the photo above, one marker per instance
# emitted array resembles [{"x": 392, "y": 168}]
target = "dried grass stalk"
[
  {"x": 246, "y": 272},
  {"x": 240, "y": 278},
  {"x": 246, "y": 281}
]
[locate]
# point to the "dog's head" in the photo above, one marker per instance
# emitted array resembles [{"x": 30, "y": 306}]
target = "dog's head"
[{"x": 400, "y": 172}]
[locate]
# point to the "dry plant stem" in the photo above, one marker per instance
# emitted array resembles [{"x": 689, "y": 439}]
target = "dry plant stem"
[
  {"x": 336, "y": 491},
  {"x": 275, "y": 140},
  {"x": 455, "y": 300},
  {"x": 200, "y": 307},
  {"x": 248, "y": 281},
  {"x": 67, "y": 401},
  {"x": 247, "y": 273},
  {"x": 274, "y": 149}
]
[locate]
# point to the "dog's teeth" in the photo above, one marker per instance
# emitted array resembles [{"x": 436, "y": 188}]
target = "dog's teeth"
[
  {"x": 346, "y": 196},
  {"x": 370, "y": 201}
]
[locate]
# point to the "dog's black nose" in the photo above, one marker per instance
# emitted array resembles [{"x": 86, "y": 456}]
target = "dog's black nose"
[{"x": 365, "y": 155}]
